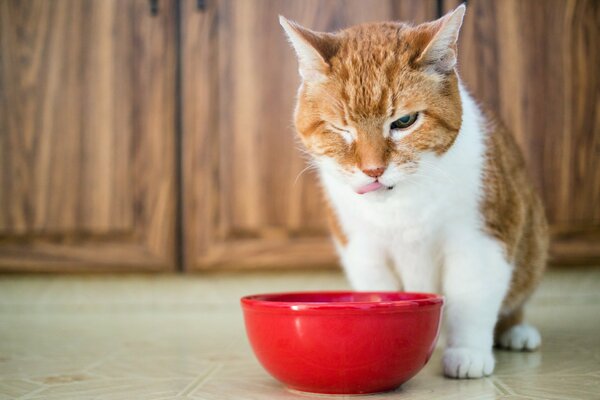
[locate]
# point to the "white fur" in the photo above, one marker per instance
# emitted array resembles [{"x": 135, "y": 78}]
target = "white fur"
[
  {"x": 520, "y": 337},
  {"x": 426, "y": 234}
]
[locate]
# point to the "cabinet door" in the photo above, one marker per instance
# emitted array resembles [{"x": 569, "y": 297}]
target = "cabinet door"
[
  {"x": 87, "y": 91},
  {"x": 535, "y": 63},
  {"x": 246, "y": 200}
]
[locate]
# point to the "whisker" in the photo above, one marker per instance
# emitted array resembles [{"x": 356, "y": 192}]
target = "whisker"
[
  {"x": 437, "y": 169},
  {"x": 420, "y": 184},
  {"x": 308, "y": 167}
]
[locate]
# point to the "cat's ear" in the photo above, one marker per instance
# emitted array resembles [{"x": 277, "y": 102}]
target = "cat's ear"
[
  {"x": 314, "y": 49},
  {"x": 440, "y": 52}
]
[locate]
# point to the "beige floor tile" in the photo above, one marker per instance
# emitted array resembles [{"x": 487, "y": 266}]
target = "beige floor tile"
[
  {"x": 182, "y": 337},
  {"x": 115, "y": 389},
  {"x": 15, "y": 388},
  {"x": 557, "y": 387}
]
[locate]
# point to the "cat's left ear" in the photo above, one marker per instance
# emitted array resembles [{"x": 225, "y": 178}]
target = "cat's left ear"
[
  {"x": 314, "y": 49},
  {"x": 440, "y": 52}
]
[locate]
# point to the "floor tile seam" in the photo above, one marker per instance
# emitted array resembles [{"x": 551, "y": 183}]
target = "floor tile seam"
[
  {"x": 551, "y": 374},
  {"x": 102, "y": 360},
  {"x": 200, "y": 380},
  {"x": 501, "y": 386},
  {"x": 33, "y": 392},
  {"x": 123, "y": 383}
]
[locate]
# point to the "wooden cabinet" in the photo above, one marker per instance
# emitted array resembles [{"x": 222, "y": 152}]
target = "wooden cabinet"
[
  {"x": 246, "y": 201},
  {"x": 87, "y": 143},
  {"x": 133, "y": 139},
  {"x": 535, "y": 63}
]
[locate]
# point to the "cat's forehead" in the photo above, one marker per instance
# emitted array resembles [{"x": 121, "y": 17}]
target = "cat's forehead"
[
  {"x": 371, "y": 66},
  {"x": 377, "y": 38}
]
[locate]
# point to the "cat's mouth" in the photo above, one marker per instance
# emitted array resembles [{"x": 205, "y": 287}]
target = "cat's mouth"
[{"x": 371, "y": 187}]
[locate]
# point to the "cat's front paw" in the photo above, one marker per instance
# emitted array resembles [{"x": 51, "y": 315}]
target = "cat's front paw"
[
  {"x": 466, "y": 362},
  {"x": 520, "y": 337}
]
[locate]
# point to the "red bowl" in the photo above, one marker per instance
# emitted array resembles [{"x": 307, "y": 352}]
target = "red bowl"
[{"x": 343, "y": 342}]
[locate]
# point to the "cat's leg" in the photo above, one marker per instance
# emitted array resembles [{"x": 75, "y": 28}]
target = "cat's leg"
[
  {"x": 366, "y": 266},
  {"x": 417, "y": 266},
  {"x": 512, "y": 333},
  {"x": 476, "y": 279}
]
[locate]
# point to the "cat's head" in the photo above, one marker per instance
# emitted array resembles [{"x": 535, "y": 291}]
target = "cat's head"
[{"x": 377, "y": 98}]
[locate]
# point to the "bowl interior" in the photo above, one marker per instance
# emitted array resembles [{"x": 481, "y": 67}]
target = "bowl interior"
[{"x": 342, "y": 299}]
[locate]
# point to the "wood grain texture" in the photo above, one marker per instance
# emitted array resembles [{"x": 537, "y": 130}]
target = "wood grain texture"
[
  {"x": 246, "y": 203},
  {"x": 535, "y": 63},
  {"x": 86, "y": 135}
]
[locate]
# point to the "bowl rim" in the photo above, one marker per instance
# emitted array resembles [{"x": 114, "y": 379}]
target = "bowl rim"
[{"x": 263, "y": 302}]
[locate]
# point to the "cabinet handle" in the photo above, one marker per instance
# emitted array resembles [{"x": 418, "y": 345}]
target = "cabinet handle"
[{"x": 153, "y": 7}]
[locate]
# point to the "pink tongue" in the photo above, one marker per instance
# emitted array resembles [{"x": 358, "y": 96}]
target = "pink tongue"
[{"x": 369, "y": 188}]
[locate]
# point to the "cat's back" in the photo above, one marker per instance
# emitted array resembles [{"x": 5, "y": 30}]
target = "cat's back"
[{"x": 512, "y": 209}]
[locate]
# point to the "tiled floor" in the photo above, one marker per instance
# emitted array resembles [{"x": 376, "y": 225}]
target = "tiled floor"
[{"x": 182, "y": 337}]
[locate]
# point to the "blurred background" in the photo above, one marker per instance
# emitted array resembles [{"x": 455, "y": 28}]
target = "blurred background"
[{"x": 156, "y": 135}]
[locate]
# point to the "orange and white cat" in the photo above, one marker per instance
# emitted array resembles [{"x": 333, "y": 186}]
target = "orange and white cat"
[{"x": 426, "y": 193}]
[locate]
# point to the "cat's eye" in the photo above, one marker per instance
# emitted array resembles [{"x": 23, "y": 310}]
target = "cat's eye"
[
  {"x": 404, "y": 121},
  {"x": 345, "y": 133}
]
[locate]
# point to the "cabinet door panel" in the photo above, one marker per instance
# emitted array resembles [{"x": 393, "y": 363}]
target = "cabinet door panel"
[
  {"x": 246, "y": 200},
  {"x": 86, "y": 134},
  {"x": 535, "y": 63}
]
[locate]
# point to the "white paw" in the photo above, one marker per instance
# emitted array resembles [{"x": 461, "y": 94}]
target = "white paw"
[
  {"x": 465, "y": 362},
  {"x": 520, "y": 337}
]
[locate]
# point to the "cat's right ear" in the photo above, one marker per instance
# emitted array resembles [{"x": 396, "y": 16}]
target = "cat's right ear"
[
  {"x": 314, "y": 49},
  {"x": 441, "y": 37}
]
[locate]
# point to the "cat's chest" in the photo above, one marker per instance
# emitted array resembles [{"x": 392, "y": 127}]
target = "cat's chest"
[{"x": 406, "y": 216}]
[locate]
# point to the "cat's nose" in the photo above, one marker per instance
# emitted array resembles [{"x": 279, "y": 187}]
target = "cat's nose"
[{"x": 374, "y": 172}]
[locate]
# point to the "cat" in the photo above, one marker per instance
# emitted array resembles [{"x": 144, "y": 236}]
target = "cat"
[{"x": 425, "y": 191}]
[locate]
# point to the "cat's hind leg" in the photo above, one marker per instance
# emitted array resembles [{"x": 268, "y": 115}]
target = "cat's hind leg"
[{"x": 512, "y": 333}]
